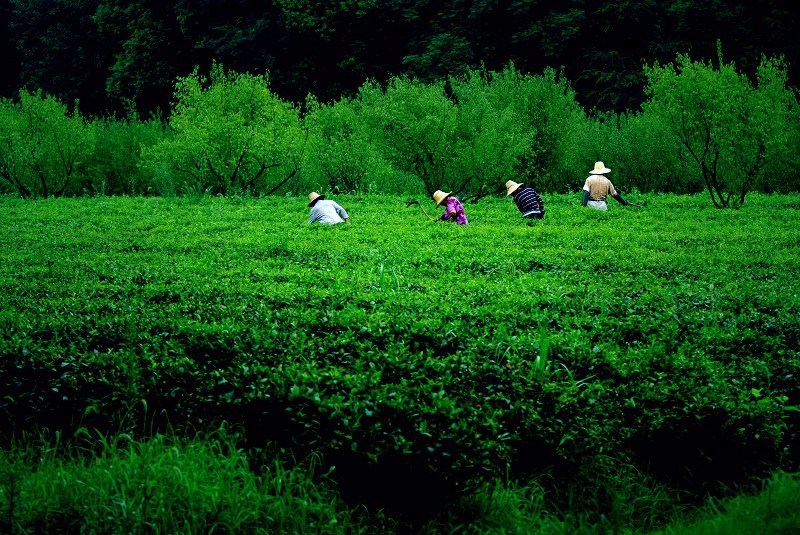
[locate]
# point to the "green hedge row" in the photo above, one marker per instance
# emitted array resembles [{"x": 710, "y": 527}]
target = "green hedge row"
[{"x": 703, "y": 127}]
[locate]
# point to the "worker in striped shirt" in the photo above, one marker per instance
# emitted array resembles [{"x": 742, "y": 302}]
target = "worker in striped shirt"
[{"x": 527, "y": 200}]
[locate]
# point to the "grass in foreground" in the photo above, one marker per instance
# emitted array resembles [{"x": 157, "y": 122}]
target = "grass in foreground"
[
  {"x": 614, "y": 359},
  {"x": 773, "y": 511},
  {"x": 209, "y": 485},
  {"x": 164, "y": 485}
]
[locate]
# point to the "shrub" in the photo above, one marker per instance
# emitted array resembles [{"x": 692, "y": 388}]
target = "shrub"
[
  {"x": 114, "y": 167},
  {"x": 492, "y": 136},
  {"x": 725, "y": 123},
  {"x": 413, "y": 125},
  {"x": 341, "y": 156},
  {"x": 780, "y": 114},
  {"x": 641, "y": 150},
  {"x": 552, "y": 119},
  {"x": 477, "y": 131},
  {"x": 43, "y": 146},
  {"x": 231, "y": 136}
]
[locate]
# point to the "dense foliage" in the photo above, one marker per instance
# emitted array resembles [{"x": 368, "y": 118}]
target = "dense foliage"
[
  {"x": 727, "y": 127},
  {"x": 109, "y": 53},
  {"x": 624, "y": 361},
  {"x": 704, "y": 126},
  {"x": 230, "y": 136},
  {"x": 43, "y": 145}
]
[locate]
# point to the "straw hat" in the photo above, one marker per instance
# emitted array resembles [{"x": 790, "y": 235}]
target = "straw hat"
[
  {"x": 599, "y": 169},
  {"x": 439, "y": 196},
  {"x": 313, "y": 197},
  {"x": 512, "y": 186}
]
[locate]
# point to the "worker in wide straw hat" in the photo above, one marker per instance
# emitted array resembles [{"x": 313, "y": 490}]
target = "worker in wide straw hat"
[
  {"x": 527, "y": 200},
  {"x": 325, "y": 211},
  {"x": 454, "y": 211},
  {"x": 598, "y": 187}
]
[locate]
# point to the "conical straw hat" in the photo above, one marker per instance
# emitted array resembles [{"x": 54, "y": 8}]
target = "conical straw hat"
[
  {"x": 512, "y": 186},
  {"x": 313, "y": 196},
  {"x": 439, "y": 196}
]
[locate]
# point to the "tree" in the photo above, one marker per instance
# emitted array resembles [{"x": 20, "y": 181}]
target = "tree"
[
  {"x": 9, "y": 63},
  {"x": 341, "y": 156},
  {"x": 231, "y": 135},
  {"x": 600, "y": 45},
  {"x": 330, "y": 49},
  {"x": 779, "y": 112},
  {"x": 492, "y": 135},
  {"x": 59, "y": 51},
  {"x": 650, "y": 158},
  {"x": 43, "y": 146},
  {"x": 243, "y": 35},
  {"x": 149, "y": 49},
  {"x": 476, "y": 131},
  {"x": 414, "y": 125},
  {"x": 721, "y": 119},
  {"x": 547, "y": 108},
  {"x": 114, "y": 166}
]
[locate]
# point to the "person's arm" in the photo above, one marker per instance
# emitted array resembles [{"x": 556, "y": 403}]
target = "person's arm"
[
  {"x": 614, "y": 193},
  {"x": 342, "y": 212},
  {"x": 449, "y": 212},
  {"x": 585, "y": 198},
  {"x": 619, "y": 199}
]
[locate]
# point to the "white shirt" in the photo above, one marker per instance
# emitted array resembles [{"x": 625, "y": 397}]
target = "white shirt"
[{"x": 327, "y": 212}]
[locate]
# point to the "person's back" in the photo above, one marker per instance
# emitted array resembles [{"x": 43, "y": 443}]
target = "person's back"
[
  {"x": 599, "y": 187},
  {"x": 528, "y": 201},
  {"x": 325, "y": 211},
  {"x": 454, "y": 210}
]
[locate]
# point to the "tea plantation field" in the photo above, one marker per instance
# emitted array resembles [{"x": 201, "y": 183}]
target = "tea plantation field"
[{"x": 619, "y": 366}]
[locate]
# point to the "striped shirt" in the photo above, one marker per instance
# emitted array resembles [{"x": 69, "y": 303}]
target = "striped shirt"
[{"x": 528, "y": 201}]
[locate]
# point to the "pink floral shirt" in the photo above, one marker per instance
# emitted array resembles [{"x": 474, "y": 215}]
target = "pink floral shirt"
[{"x": 454, "y": 210}]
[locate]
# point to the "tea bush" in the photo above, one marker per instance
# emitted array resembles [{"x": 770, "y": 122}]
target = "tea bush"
[{"x": 656, "y": 347}]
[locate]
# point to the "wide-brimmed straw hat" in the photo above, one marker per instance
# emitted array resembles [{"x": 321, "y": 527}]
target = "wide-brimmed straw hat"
[
  {"x": 512, "y": 186},
  {"x": 599, "y": 169},
  {"x": 439, "y": 196},
  {"x": 314, "y": 197}
]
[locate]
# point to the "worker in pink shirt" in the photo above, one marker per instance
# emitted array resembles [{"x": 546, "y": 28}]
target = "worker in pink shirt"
[{"x": 454, "y": 211}]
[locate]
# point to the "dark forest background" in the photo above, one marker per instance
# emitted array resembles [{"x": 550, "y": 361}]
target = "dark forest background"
[{"x": 114, "y": 55}]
